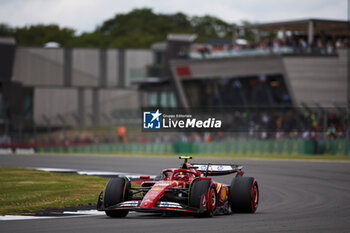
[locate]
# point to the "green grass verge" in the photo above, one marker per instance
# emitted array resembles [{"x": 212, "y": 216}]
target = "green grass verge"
[
  {"x": 233, "y": 156},
  {"x": 25, "y": 190}
]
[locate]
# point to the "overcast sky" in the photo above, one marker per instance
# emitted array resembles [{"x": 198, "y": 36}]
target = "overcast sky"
[{"x": 85, "y": 15}]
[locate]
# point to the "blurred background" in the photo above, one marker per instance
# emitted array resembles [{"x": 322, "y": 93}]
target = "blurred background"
[{"x": 282, "y": 84}]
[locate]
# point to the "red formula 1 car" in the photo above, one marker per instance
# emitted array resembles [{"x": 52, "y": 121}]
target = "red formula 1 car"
[{"x": 186, "y": 189}]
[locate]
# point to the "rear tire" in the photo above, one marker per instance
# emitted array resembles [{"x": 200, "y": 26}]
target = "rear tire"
[
  {"x": 203, "y": 196},
  {"x": 116, "y": 191},
  {"x": 244, "y": 195}
]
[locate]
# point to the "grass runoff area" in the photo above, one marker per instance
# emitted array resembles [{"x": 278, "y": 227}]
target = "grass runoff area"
[{"x": 25, "y": 190}]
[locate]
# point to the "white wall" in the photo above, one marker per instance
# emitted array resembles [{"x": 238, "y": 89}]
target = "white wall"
[
  {"x": 320, "y": 79},
  {"x": 38, "y": 66},
  {"x": 53, "y": 101},
  {"x": 136, "y": 59},
  {"x": 85, "y": 67}
]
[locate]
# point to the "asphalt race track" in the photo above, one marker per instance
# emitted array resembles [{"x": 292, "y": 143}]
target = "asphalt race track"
[{"x": 295, "y": 196}]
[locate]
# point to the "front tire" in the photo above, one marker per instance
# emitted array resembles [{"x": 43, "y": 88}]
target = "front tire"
[
  {"x": 244, "y": 195},
  {"x": 116, "y": 191},
  {"x": 203, "y": 196}
]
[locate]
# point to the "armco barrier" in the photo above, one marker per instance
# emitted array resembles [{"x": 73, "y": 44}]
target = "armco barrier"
[{"x": 237, "y": 147}]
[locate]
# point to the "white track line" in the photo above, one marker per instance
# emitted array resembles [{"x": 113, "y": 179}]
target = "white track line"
[
  {"x": 56, "y": 169},
  {"x": 93, "y": 173},
  {"x": 20, "y": 217},
  {"x": 85, "y": 212},
  {"x": 79, "y": 213},
  {"x": 71, "y": 214}
]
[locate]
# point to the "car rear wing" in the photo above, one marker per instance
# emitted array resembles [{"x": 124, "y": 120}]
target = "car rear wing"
[{"x": 217, "y": 169}]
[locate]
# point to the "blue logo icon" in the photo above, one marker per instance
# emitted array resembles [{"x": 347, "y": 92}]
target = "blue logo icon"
[
  {"x": 151, "y": 120},
  {"x": 165, "y": 204},
  {"x": 220, "y": 168}
]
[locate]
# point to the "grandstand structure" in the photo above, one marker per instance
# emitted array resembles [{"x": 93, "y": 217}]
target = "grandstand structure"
[
  {"x": 287, "y": 73},
  {"x": 76, "y": 87}
]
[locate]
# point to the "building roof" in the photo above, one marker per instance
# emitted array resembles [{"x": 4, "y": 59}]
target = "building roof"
[
  {"x": 182, "y": 37},
  {"x": 329, "y": 27},
  {"x": 159, "y": 46}
]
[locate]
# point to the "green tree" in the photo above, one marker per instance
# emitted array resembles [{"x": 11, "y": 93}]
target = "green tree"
[
  {"x": 88, "y": 39},
  {"x": 38, "y": 35},
  {"x": 247, "y": 34},
  {"x": 141, "y": 27},
  {"x": 6, "y": 30},
  {"x": 250, "y": 35},
  {"x": 209, "y": 27}
]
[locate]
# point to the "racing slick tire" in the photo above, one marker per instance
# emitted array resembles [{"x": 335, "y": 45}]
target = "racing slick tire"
[
  {"x": 244, "y": 195},
  {"x": 203, "y": 196},
  {"x": 116, "y": 191}
]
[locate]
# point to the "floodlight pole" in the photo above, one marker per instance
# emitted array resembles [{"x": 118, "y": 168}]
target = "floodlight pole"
[{"x": 310, "y": 35}]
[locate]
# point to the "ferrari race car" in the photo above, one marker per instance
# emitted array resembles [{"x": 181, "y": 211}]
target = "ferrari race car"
[{"x": 186, "y": 189}]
